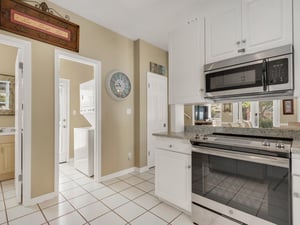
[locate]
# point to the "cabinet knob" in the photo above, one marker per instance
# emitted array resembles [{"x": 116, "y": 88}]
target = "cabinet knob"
[
  {"x": 296, "y": 195},
  {"x": 189, "y": 167},
  {"x": 244, "y": 41},
  {"x": 230, "y": 211},
  {"x": 238, "y": 42},
  {"x": 170, "y": 146},
  {"x": 165, "y": 125}
]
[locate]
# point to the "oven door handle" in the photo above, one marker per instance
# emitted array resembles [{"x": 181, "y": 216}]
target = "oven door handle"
[{"x": 249, "y": 157}]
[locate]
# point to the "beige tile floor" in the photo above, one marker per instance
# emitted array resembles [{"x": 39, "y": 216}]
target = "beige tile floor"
[{"x": 125, "y": 200}]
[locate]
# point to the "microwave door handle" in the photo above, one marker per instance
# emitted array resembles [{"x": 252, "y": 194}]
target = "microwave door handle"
[{"x": 264, "y": 75}]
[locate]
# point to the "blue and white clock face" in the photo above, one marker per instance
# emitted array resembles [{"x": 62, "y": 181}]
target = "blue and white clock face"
[{"x": 118, "y": 85}]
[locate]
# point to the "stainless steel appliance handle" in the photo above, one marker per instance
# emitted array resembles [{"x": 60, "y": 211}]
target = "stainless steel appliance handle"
[
  {"x": 249, "y": 157},
  {"x": 264, "y": 75}
]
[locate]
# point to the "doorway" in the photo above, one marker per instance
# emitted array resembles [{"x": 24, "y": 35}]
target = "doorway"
[
  {"x": 157, "y": 111},
  {"x": 22, "y": 123},
  {"x": 96, "y": 65}
]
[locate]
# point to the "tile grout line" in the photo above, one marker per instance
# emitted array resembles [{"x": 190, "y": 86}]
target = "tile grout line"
[
  {"x": 43, "y": 214},
  {"x": 5, "y": 209}
]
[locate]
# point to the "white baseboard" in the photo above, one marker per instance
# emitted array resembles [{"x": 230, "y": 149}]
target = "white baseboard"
[
  {"x": 40, "y": 199},
  {"x": 117, "y": 174},
  {"x": 141, "y": 169},
  {"x": 124, "y": 172}
]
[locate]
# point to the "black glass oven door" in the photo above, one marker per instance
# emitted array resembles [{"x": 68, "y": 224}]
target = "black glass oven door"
[{"x": 258, "y": 189}]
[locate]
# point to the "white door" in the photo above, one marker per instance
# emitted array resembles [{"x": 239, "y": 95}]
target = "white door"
[
  {"x": 223, "y": 26},
  {"x": 64, "y": 90},
  {"x": 19, "y": 126},
  {"x": 266, "y": 24},
  {"x": 157, "y": 111}
]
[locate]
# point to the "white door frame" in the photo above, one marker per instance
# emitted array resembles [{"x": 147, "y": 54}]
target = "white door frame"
[
  {"x": 24, "y": 51},
  {"x": 66, "y": 84},
  {"x": 59, "y": 54}
]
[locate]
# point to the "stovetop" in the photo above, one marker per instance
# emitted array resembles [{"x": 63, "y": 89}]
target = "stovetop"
[{"x": 233, "y": 141}]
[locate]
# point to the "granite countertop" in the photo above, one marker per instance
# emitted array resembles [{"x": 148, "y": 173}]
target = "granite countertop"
[{"x": 190, "y": 132}]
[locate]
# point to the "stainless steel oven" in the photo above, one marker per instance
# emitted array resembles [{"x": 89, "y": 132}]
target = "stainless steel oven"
[
  {"x": 241, "y": 177},
  {"x": 267, "y": 73}
]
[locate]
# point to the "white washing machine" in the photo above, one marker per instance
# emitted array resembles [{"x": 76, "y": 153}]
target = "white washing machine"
[{"x": 84, "y": 150}]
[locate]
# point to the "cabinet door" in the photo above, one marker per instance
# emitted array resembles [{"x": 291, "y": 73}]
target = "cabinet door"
[
  {"x": 186, "y": 60},
  {"x": 7, "y": 158},
  {"x": 173, "y": 178},
  {"x": 296, "y": 199},
  {"x": 266, "y": 24},
  {"x": 223, "y": 29}
]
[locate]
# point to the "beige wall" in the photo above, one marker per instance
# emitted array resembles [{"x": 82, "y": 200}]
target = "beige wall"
[
  {"x": 8, "y": 56},
  {"x": 144, "y": 54},
  {"x": 77, "y": 73},
  {"x": 115, "y": 53}
]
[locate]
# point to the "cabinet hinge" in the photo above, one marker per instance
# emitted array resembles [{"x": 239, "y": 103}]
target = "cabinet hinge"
[
  {"x": 20, "y": 177},
  {"x": 148, "y": 85},
  {"x": 21, "y": 65}
]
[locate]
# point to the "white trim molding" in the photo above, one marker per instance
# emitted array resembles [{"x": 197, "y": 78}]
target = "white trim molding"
[
  {"x": 24, "y": 48},
  {"x": 124, "y": 172},
  {"x": 60, "y": 54}
]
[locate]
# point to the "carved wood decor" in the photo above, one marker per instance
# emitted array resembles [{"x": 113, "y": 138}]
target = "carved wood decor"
[{"x": 26, "y": 20}]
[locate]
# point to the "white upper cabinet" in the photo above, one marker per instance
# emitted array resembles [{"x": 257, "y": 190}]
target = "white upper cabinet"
[
  {"x": 237, "y": 27},
  {"x": 186, "y": 60},
  {"x": 223, "y": 26},
  {"x": 267, "y": 24}
]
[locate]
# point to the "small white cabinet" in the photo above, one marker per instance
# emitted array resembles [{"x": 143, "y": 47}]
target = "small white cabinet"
[
  {"x": 173, "y": 172},
  {"x": 186, "y": 60},
  {"x": 236, "y": 27}
]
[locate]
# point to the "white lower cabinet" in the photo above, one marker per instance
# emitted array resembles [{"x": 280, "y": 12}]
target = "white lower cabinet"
[
  {"x": 173, "y": 173},
  {"x": 296, "y": 199},
  {"x": 296, "y": 188}
]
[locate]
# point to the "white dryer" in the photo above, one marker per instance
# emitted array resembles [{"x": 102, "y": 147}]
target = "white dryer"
[{"x": 84, "y": 150}]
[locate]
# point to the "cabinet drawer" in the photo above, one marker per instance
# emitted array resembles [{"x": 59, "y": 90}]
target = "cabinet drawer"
[
  {"x": 296, "y": 166},
  {"x": 173, "y": 144},
  {"x": 205, "y": 217}
]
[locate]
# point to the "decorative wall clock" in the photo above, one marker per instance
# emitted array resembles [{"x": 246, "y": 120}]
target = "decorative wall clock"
[{"x": 118, "y": 85}]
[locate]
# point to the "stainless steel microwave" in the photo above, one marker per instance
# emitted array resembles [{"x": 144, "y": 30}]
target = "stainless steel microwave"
[{"x": 263, "y": 74}]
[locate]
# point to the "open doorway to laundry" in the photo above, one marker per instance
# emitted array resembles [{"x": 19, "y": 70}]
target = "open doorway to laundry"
[
  {"x": 78, "y": 109},
  {"x": 15, "y": 119}
]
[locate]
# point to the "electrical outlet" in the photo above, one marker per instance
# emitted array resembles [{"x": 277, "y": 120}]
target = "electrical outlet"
[{"x": 129, "y": 155}]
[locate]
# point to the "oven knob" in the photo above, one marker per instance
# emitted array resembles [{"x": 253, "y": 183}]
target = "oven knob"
[
  {"x": 266, "y": 142},
  {"x": 204, "y": 137},
  {"x": 197, "y": 136},
  {"x": 279, "y": 145}
]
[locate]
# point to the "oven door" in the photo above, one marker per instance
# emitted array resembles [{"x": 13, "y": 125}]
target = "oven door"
[{"x": 255, "y": 184}]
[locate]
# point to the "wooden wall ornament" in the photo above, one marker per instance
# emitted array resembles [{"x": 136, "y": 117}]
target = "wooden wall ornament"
[{"x": 26, "y": 20}]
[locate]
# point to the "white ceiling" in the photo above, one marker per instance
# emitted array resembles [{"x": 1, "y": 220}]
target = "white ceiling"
[{"x": 149, "y": 20}]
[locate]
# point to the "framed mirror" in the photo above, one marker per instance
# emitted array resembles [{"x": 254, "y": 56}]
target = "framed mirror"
[{"x": 7, "y": 94}]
